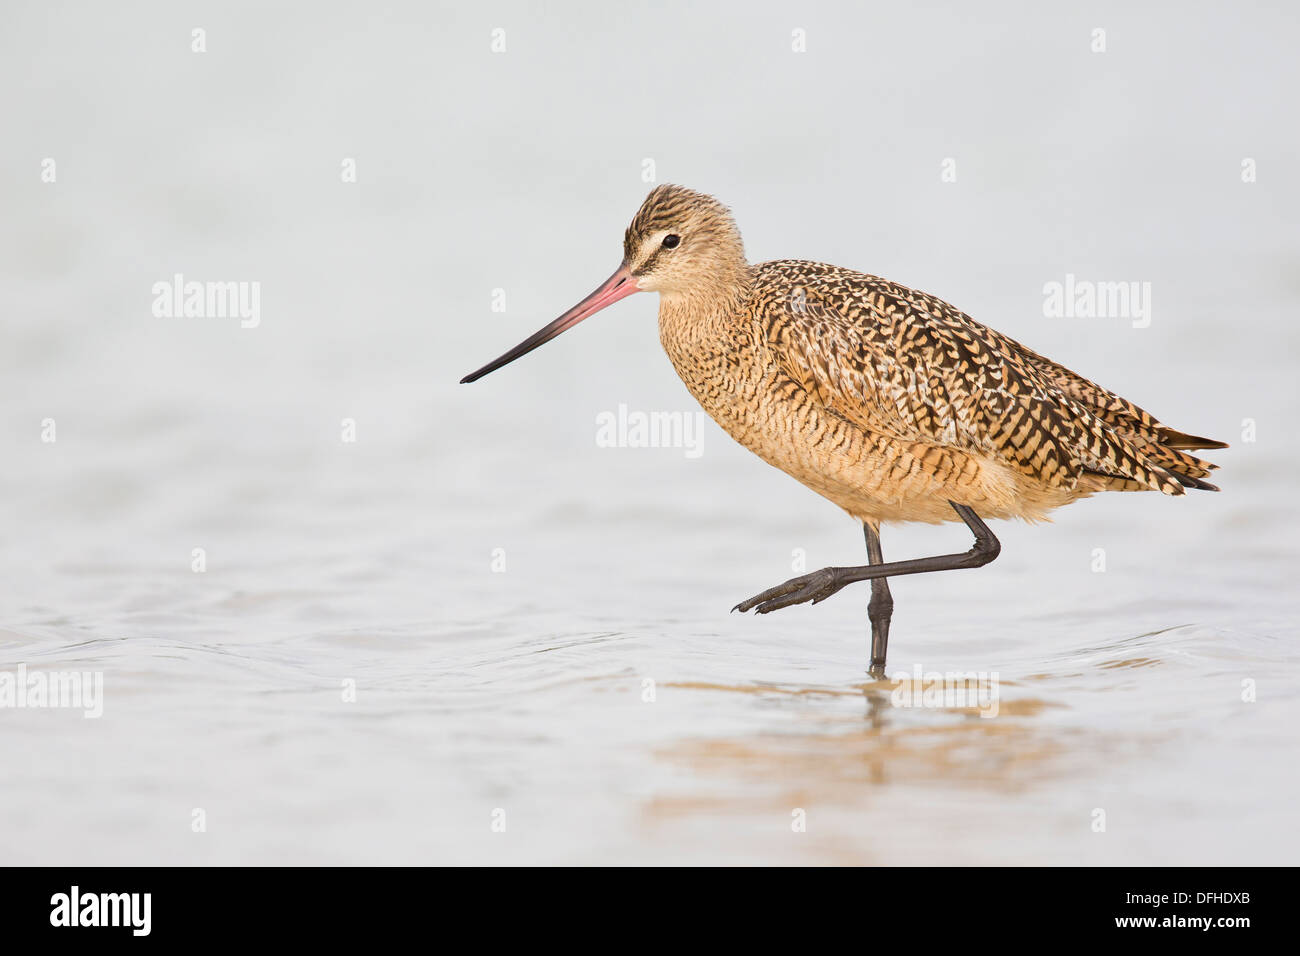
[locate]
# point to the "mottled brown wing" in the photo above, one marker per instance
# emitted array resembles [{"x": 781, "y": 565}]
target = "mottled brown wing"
[
  {"x": 1156, "y": 444},
  {"x": 908, "y": 365}
]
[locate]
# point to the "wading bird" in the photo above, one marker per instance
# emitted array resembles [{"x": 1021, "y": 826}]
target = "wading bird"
[{"x": 887, "y": 401}]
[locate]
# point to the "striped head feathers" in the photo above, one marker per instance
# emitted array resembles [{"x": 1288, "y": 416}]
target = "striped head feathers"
[{"x": 682, "y": 242}]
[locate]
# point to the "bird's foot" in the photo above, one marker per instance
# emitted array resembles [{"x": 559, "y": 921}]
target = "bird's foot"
[{"x": 815, "y": 587}]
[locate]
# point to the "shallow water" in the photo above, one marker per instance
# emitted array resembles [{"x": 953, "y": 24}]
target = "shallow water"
[{"x": 537, "y": 627}]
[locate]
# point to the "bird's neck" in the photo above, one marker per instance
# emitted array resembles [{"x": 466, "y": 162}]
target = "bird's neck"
[{"x": 707, "y": 310}]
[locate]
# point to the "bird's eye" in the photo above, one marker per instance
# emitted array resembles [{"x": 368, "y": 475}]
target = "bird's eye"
[{"x": 671, "y": 242}]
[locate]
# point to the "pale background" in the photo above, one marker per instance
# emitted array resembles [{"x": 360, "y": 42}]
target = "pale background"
[{"x": 523, "y": 690}]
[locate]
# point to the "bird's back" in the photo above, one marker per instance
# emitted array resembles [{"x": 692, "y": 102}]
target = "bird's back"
[{"x": 892, "y": 402}]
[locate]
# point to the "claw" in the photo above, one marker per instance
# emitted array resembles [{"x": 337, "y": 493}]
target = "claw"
[{"x": 815, "y": 587}]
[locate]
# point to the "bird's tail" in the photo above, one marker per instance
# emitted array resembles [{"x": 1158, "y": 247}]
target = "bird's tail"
[
  {"x": 1174, "y": 439},
  {"x": 1171, "y": 469}
]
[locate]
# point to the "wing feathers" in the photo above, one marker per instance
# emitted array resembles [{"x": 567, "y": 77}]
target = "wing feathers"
[{"x": 906, "y": 365}]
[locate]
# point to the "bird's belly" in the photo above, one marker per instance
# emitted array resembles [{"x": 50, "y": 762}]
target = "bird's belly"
[{"x": 874, "y": 477}]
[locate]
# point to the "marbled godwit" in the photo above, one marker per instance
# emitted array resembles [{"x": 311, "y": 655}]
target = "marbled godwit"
[{"x": 887, "y": 401}]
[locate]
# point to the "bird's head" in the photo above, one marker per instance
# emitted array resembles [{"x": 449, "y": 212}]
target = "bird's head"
[
  {"x": 681, "y": 244},
  {"x": 680, "y": 241}
]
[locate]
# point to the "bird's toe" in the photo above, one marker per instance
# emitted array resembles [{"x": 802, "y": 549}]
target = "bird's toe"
[
  {"x": 814, "y": 587},
  {"x": 765, "y": 598},
  {"x": 760, "y": 599}
]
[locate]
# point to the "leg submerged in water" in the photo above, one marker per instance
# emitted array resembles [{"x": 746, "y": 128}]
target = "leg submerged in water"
[{"x": 881, "y": 608}]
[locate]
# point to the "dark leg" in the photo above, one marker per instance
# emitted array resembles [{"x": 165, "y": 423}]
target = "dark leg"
[
  {"x": 820, "y": 585},
  {"x": 881, "y": 608}
]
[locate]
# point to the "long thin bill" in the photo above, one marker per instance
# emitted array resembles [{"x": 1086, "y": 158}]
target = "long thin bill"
[{"x": 618, "y": 286}]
